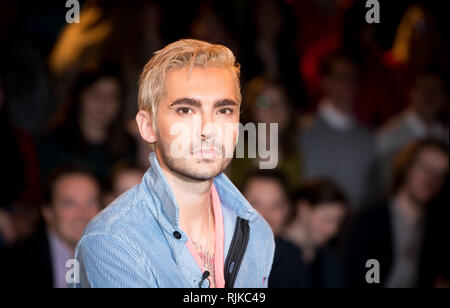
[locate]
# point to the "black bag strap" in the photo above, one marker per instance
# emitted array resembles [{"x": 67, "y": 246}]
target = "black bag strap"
[{"x": 236, "y": 252}]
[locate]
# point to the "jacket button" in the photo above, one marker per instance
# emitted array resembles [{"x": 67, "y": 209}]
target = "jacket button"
[{"x": 177, "y": 235}]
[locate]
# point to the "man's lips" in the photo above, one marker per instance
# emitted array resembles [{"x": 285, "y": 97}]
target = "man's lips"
[{"x": 206, "y": 153}]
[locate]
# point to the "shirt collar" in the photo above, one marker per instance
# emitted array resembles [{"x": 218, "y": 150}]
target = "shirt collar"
[
  {"x": 163, "y": 201},
  {"x": 58, "y": 247},
  {"x": 59, "y": 253},
  {"x": 335, "y": 118}
]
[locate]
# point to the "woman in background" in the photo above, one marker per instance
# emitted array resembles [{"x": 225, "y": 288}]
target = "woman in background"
[
  {"x": 90, "y": 128},
  {"x": 319, "y": 211}
]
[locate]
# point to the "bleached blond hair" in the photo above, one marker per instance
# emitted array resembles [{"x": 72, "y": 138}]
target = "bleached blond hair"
[{"x": 177, "y": 55}]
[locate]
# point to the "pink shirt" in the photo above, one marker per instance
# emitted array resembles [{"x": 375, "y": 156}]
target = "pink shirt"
[{"x": 218, "y": 255}]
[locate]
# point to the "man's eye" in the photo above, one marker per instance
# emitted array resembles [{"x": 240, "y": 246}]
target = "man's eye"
[
  {"x": 184, "y": 110},
  {"x": 226, "y": 111}
]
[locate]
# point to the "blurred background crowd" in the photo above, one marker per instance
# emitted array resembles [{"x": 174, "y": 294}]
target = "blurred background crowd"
[{"x": 362, "y": 111}]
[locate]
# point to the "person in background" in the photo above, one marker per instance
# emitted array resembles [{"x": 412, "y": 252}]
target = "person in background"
[
  {"x": 124, "y": 176},
  {"x": 266, "y": 190},
  {"x": 320, "y": 209},
  {"x": 122, "y": 32},
  {"x": 212, "y": 24},
  {"x": 72, "y": 198},
  {"x": 435, "y": 255},
  {"x": 90, "y": 128},
  {"x": 394, "y": 233},
  {"x": 333, "y": 143},
  {"x": 420, "y": 41},
  {"x": 421, "y": 119},
  {"x": 20, "y": 177},
  {"x": 268, "y": 48},
  {"x": 377, "y": 96},
  {"x": 267, "y": 101},
  {"x": 23, "y": 68}
]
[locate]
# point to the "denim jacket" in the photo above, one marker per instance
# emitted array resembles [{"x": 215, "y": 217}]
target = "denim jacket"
[{"x": 134, "y": 241}]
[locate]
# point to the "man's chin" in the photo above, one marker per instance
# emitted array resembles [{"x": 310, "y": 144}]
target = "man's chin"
[
  {"x": 195, "y": 168},
  {"x": 203, "y": 172},
  {"x": 204, "y": 160},
  {"x": 202, "y": 169}
]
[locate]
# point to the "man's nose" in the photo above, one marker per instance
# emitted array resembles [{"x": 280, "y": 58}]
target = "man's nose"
[{"x": 208, "y": 129}]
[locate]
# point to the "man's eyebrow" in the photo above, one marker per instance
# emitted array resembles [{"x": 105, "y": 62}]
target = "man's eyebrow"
[
  {"x": 186, "y": 101},
  {"x": 196, "y": 103},
  {"x": 224, "y": 103}
]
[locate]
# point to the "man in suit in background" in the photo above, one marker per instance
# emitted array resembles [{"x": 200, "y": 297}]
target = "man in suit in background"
[{"x": 72, "y": 199}]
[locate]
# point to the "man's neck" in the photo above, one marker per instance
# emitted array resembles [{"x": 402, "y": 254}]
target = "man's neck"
[{"x": 193, "y": 198}]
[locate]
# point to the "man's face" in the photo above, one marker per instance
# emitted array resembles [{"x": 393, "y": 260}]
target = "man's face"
[
  {"x": 427, "y": 175},
  {"x": 269, "y": 199},
  {"x": 201, "y": 109},
  {"x": 341, "y": 85},
  {"x": 75, "y": 201}
]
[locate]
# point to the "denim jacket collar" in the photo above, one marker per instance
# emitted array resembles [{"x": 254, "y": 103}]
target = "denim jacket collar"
[{"x": 164, "y": 205}]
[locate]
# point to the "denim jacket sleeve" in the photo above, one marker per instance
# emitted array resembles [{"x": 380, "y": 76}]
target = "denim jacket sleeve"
[
  {"x": 108, "y": 262},
  {"x": 269, "y": 248}
]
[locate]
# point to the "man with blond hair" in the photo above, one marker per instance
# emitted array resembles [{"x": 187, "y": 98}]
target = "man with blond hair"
[{"x": 185, "y": 224}]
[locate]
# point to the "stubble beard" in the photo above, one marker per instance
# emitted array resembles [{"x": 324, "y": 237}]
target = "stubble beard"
[{"x": 193, "y": 169}]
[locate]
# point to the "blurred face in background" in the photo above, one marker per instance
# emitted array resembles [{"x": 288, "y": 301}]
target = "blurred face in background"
[
  {"x": 100, "y": 103},
  {"x": 428, "y": 97},
  {"x": 208, "y": 26},
  {"x": 426, "y": 176},
  {"x": 271, "y": 107},
  {"x": 321, "y": 222},
  {"x": 75, "y": 201},
  {"x": 340, "y": 85},
  {"x": 126, "y": 180},
  {"x": 269, "y": 20},
  {"x": 269, "y": 199}
]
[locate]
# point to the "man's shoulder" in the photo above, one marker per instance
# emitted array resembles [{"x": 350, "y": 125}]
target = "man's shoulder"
[
  {"x": 264, "y": 236},
  {"x": 262, "y": 227},
  {"x": 262, "y": 244}
]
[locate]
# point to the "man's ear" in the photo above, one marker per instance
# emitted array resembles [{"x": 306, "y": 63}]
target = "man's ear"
[{"x": 145, "y": 125}]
